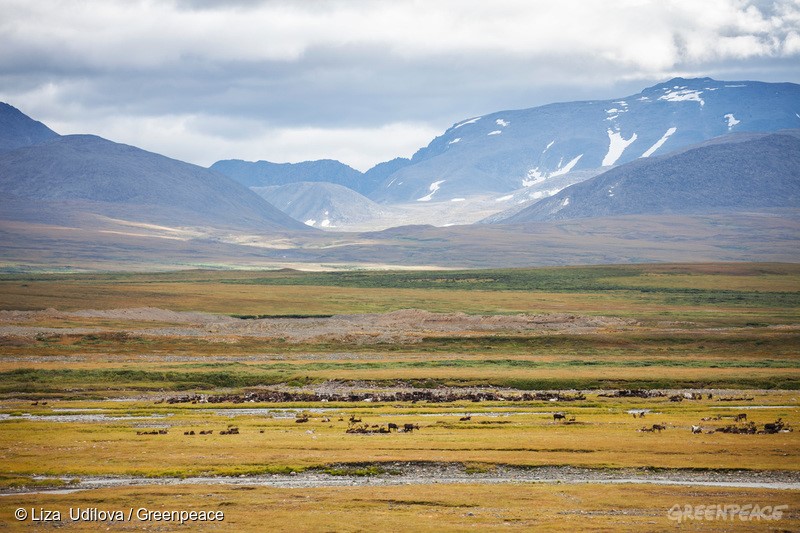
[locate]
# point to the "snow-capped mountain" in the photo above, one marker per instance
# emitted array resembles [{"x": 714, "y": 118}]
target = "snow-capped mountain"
[
  {"x": 738, "y": 172},
  {"x": 508, "y": 150}
]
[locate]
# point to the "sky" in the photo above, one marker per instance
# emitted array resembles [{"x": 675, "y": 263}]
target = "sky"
[{"x": 361, "y": 81}]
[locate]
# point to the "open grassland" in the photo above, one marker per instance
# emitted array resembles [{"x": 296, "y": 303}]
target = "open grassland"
[
  {"x": 523, "y": 507},
  {"x": 75, "y": 389},
  {"x": 722, "y": 294},
  {"x": 100, "y": 438}
]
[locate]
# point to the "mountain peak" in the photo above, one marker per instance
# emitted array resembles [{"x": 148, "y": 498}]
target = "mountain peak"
[
  {"x": 18, "y": 130},
  {"x": 506, "y": 151}
]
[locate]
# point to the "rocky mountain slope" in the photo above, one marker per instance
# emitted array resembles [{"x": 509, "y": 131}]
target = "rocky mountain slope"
[
  {"x": 99, "y": 176},
  {"x": 738, "y": 172},
  {"x": 18, "y": 130},
  {"x": 508, "y": 150},
  {"x": 323, "y": 205}
]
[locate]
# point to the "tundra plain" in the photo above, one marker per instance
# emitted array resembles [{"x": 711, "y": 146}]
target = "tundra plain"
[{"x": 108, "y": 379}]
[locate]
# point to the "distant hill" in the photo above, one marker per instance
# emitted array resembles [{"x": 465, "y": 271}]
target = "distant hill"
[
  {"x": 507, "y": 150},
  {"x": 122, "y": 181},
  {"x": 18, "y": 130},
  {"x": 738, "y": 172},
  {"x": 322, "y": 205},
  {"x": 266, "y": 174}
]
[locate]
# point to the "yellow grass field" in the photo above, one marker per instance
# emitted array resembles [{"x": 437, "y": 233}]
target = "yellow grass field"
[{"x": 92, "y": 364}]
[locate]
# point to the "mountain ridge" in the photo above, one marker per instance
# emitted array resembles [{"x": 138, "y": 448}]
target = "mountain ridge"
[
  {"x": 18, "y": 130},
  {"x": 117, "y": 177},
  {"x": 505, "y": 150},
  {"x": 737, "y": 172}
]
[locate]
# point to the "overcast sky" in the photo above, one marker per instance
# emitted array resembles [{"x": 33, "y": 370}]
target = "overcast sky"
[{"x": 359, "y": 81}]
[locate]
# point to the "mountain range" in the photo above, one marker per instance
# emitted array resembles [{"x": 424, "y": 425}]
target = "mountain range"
[
  {"x": 510, "y": 159},
  {"x": 508, "y": 150},
  {"x": 89, "y": 174},
  {"x": 717, "y": 163}
]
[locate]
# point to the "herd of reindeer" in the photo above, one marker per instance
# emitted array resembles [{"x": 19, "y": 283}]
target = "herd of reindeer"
[{"x": 356, "y": 425}]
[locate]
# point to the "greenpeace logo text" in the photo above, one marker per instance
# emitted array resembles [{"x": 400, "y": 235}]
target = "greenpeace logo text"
[{"x": 744, "y": 513}]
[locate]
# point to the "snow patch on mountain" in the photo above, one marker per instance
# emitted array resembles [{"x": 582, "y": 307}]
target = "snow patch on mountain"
[
  {"x": 731, "y": 120},
  {"x": 537, "y": 176},
  {"x": 534, "y": 176},
  {"x": 546, "y": 148},
  {"x": 543, "y": 194},
  {"x": 457, "y": 139},
  {"x": 495, "y": 132},
  {"x": 682, "y": 94},
  {"x": 616, "y": 145},
  {"x": 501, "y": 122},
  {"x": 569, "y": 166},
  {"x": 468, "y": 121},
  {"x": 433, "y": 188},
  {"x": 650, "y": 151}
]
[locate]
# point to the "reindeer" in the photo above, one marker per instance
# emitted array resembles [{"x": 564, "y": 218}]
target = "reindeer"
[
  {"x": 465, "y": 418},
  {"x": 740, "y": 417},
  {"x": 696, "y": 429},
  {"x": 559, "y": 416}
]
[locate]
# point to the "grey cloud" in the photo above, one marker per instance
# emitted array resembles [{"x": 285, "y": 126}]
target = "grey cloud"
[{"x": 364, "y": 80}]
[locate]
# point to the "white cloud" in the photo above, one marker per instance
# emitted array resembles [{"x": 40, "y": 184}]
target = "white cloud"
[{"x": 123, "y": 34}]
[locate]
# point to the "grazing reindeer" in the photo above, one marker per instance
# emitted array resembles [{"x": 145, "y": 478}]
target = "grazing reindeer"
[
  {"x": 740, "y": 417},
  {"x": 408, "y": 428},
  {"x": 465, "y": 418},
  {"x": 697, "y": 429},
  {"x": 392, "y": 426},
  {"x": 659, "y": 427},
  {"x": 559, "y": 416}
]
